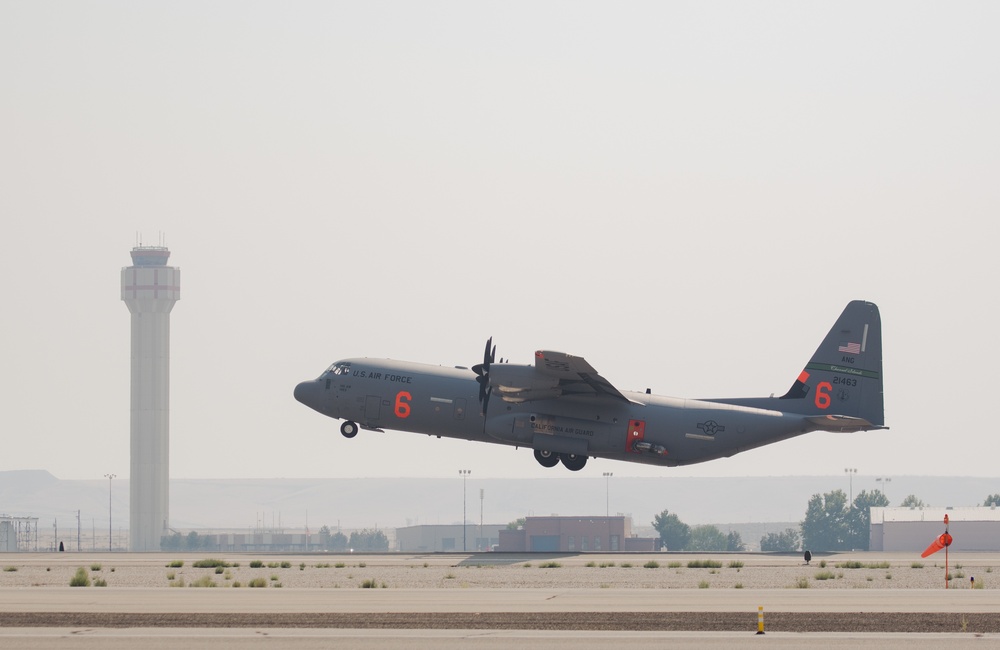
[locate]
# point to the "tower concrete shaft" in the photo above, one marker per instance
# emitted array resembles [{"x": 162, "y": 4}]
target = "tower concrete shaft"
[{"x": 150, "y": 288}]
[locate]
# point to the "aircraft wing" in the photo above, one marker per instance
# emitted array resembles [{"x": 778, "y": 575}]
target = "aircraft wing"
[{"x": 555, "y": 374}]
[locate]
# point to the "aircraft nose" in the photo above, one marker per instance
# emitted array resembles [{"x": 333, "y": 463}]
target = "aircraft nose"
[{"x": 308, "y": 392}]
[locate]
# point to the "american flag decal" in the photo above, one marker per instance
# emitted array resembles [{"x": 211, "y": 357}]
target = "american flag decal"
[{"x": 850, "y": 348}]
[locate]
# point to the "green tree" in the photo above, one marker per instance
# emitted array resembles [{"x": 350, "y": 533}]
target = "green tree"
[
  {"x": 368, "y": 540},
  {"x": 517, "y": 523},
  {"x": 786, "y": 541},
  {"x": 859, "y": 519},
  {"x": 170, "y": 542},
  {"x": 674, "y": 533},
  {"x": 338, "y": 542},
  {"x": 825, "y": 527},
  {"x": 706, "y": 538},
  {"x": 913, "y": 502},
  {"x": 734, "y": 542},
  {"x": 992, "y": 500}
]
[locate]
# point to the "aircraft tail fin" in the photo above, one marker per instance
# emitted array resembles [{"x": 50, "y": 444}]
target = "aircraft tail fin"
[{"x": 840, "y": 389}]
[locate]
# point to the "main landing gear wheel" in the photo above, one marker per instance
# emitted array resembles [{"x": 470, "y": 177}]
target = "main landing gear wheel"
[
  {"x": 349, "y": 429},
  {"x": 572, "y": 462},
  {"x": 546, "y": 458}
]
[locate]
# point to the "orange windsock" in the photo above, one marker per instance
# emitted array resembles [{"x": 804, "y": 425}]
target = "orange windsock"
[{"x": 937, "y": 545}]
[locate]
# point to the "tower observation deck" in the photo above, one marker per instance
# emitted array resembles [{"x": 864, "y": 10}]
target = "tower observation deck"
[{"x": 150, "y": 288}]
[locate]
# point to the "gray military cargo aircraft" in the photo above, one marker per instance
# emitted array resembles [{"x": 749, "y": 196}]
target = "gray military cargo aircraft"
[{"x": 566, "y": 412}]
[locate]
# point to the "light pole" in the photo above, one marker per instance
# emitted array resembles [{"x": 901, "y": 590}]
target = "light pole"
[
  {"x": 851, "y": 471},
  {"x": 109, "y": 477},
  {"x": 482, "y": 494},
  {"x": 885, "y": 484},
  {"x": 464, "y": 473},
  {"x": 607, "y": 489}
]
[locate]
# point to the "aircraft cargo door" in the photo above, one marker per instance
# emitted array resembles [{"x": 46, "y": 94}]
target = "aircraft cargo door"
[{"x": 373, "y": 407}]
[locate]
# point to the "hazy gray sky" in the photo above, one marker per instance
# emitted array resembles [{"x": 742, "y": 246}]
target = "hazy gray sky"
[{"x": 686, "y": 194}]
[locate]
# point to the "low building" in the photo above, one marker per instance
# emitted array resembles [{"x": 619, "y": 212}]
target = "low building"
[
  {"x": 454, "y": 538},
  {"x": 18, "y": 534},
  {"x": 576, "y": 535},
  {"x": 913, "y": 529}
]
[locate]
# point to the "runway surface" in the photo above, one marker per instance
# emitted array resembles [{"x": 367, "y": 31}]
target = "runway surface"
[{"x": 37, "y": 616}]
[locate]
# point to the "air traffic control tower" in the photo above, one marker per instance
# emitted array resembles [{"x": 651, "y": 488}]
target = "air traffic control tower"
[{"x": 150, "y": 288}]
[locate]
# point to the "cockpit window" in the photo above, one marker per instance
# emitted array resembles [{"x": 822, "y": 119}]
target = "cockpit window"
[{"x": 339, "y": 368}]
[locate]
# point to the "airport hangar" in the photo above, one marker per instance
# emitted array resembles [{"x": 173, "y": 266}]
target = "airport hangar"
[{"x": 913, "y": 529}]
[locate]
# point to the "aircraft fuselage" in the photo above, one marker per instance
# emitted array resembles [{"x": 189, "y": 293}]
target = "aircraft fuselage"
[
  {"x": 444, "y": 402},
  {"x": 564, "y": 410}
]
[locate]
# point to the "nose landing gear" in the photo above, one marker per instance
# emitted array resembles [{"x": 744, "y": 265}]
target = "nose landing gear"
[{"x": 349, "y": 429}]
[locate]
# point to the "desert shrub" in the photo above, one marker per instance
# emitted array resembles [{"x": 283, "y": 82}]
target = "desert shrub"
[
  {"x": 825, "y": 575},
  {"x": 852, "y": 564},
  {"x": 652, "y": 564},
  {"x": 257, "y": 582},
  {"x": 210, "y": 564},
  {"x": 256, "y": 564},
  {"x": 704, "y": 564},
  {"x": 204, "y": 581},
  {"x": 175, "y": 564},
  {"x": 549, "y": 565},
  {"x": 80, "y": 579}
]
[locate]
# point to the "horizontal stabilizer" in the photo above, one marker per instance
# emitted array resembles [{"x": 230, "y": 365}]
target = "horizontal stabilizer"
[{"x": 842, "y": 423}]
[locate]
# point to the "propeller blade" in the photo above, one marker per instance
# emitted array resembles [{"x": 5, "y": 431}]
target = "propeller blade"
[{"x": 482, "y": 371}]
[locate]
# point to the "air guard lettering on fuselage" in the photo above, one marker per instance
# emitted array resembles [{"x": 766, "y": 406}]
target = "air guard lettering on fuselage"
[
  {"x": 542, "y": 427},
  {"x": 383, "y": 376},
  {"x": 562, "y": 409}
]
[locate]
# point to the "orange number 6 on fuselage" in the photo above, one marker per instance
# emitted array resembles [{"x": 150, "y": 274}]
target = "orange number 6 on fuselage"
[{"x": 403, "y": 399}]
